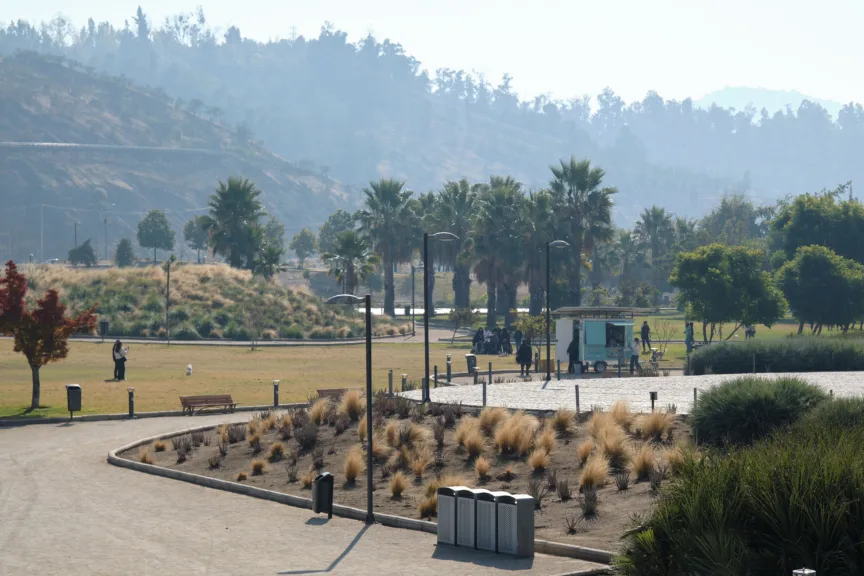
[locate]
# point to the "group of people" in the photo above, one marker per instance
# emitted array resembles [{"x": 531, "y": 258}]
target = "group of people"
[
  {"x": 119, "y": 355},
  {"x": 495, "y": 341}
]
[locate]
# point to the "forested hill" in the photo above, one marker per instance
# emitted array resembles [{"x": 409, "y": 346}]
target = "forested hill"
[
  {"x": 368, "y": 109},
  {"x": 139, "y": 152}
]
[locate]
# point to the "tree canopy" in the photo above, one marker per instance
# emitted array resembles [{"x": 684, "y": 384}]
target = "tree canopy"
[
  {"x": 155, "y": 232},
  {"x": 304, "y": 244},
  {"x": 83, "y": 254}
]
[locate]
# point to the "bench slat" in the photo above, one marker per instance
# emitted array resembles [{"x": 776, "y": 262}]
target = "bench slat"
[{"x": 189, "y": 403}]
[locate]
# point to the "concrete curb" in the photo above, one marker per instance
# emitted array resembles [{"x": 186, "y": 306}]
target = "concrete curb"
[
  {"x": 125, "y": 416},
  {"x": 542, "y": 546}
]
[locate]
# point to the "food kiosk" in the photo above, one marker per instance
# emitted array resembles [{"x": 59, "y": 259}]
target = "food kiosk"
[{"x": 601, "y": 335}]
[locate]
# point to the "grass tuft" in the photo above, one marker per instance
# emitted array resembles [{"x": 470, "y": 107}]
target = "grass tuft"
[
  {"x": 594, "y": 473},
  {"x": 482, "y": 467},
  {"x": 538, "y": 460},
  {"x": 353, "y": 465},
  {"x": 428, "y": 507},
  {"x": 258, "y": 467},
  {"x": 277, "y": 451},
  {"x": 307, "y": 479},
  {"x": 490, "y": 418},
  {"x": 319, "y": 411},
  {"x": 621, "y": 414},
  {"x": 398, "y": 484},
  {"x": 644, "y": 461},
  {"x": 584, "y": 450},
  {"x": 241, "y": 477},
  {"x": 159, "y": 446},
  {"x": 352, "y": 404},
  {"x": 656, "y": 425},
  {"x": 563, "y": 421},
  {"x": 144, "y": 456}
]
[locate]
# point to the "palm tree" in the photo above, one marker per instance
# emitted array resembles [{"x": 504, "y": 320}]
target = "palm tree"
[
  {"x": 351, "y": 260},
  {"x": 588, "y": 208},
  {"x": 386, "y": 220},
  {"x": 234, "y": 214},
  {"x": 631, "y": 254},
  {"x": 454, "y": 210},
  {"x": 497, "y": 244},
  {"x": 538, "y": 228},
  {"x": 605, "y": 260},
  {"x": 657, "y": 231}
]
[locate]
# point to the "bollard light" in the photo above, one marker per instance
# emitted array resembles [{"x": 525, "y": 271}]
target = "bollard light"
[
  {"x": 653, "y": 399},
  {"x": 131, "y": 391},
  {"x": 276, "y": 393},
  {"x": 803, "y": 572}
]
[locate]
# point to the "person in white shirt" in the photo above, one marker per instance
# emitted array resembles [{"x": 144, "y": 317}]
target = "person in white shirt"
[
  {"x": 119, "y": 355},
  {"x": 634, "y": 356}
]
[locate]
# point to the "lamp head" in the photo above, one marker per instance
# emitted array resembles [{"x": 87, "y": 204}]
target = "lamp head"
[
  {"x": 444, "y": 236},
  {"x": 558, "y": 244},
  {"x": 344, "y": 299}
]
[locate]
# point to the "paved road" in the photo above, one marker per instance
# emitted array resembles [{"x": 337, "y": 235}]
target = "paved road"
[
  {"x": 65, "y": 510},
  {"x": 678, "y": 390}
]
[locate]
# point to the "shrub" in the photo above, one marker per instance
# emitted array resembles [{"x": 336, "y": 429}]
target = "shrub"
[
  {"x": 353, "y": 465},
  {"x": 236, "y": 433},
  {"x": 599, "y": 421},
  {"x": 474, "y": 444},
  {"x": 399, "y": 459},
  {"x": 622, "y": 480},
  {"x": 352, "y": 404},
  {"x": 742, "y": 410},
  {"x": 144, "y": 456},
  {"x": 490, "y": 418},
  {"x": 214, "y": 461},
  {"x": 277, "y": 450},
  {"x": 563, "y": 420},
  {"x": 255, "y": 443},
  {"x": 183, "y": 442},
  {"x": 584, "y": 450},
  {"x": 508, "y": 473},
  {"x": 197, "y": 438},
  {"x": 411, "y": 434},
  {"x": 466, "y": 427},
  {"x": 391, "y": 433},
  {"x": 594, "y": 473},
  {"x": 419, "y": 463},
  {"x": 307, "y": 479},
  {"x": 644, "y": 461},
  {"x": 241, "y": 477},
  {"x": 538, "y": 459},
  {"x": 546, "y": 440},
  {"x": 428, "y": 507},
  {"x": 319, "y": 410},
  {"x": 184, "y": 332},
  {"x": 552, "y": 479},
  {"x": 292, "y": 473},
  {"x": 318, "y": 458},
  {"x": 361, "y": 429},
  {"x": 809, "y": 354},
  {"x": 482, "y": 467},
  {"x": 839, "y": 413},
  {"x": 538, "y": 490},
  {"x": 614, "y": 446},
  {"x": 564, "y": 492},
  {"x": 398, "y": 484},
  {"x": 284, "y": 426},
  {"x": 620, "y": 413},
  {"x": 307, "y": 436},
  {"x": 656, "y": 425},
  {"x": 453, "y": 480},
  {"x": 159, "y": 446},
  {"x": 516, "y": 434},
  {"x": 438, "y": 432},
  {"x": 588, "y": 503},
  {"x": 258, "y": 467}
]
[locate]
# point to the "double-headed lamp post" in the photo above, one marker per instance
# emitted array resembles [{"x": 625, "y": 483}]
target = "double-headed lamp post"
[
  {"x": 352, "y": 299},
  {"x": 443, "y": 237},
  {"x": 552, "y": 244}
]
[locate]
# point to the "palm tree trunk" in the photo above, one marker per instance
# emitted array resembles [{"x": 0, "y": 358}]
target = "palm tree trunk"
[
  {"x": 491, "y": 301},
  {"x": 510, "y": 300},
  {"x": 37, "y": 388},
  {"x": 389, "y": 285},
  {"x": 575, "y": 282},
  {"x": 800, "y": 326},
  {"x": 462, "y": 286}
]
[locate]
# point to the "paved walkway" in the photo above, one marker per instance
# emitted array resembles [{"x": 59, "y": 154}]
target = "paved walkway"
[
  {"x": 65, "y": 510},
  {"x": 678, "y": 390}
]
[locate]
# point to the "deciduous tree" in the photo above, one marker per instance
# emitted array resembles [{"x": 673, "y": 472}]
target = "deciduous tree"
[{"x": 304, "y": 245}]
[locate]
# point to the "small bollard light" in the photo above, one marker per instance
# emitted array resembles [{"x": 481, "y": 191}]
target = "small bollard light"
[
  {"x": 559, "y": 369},
  {"x": 436, "y": 376},
  {"x": 653, "y": 399},
  {"x": 131, "y": 391},
  {"x": 449, "y": 362},
  {"x": 276, "y": 393},
  {"x": 803, "y": 572},
  {"x": 577, "y": 399},
  {"x": 404, "y": 381},
  {"x": 390, "y": 382},
  {"x": 490, "y": 374}
]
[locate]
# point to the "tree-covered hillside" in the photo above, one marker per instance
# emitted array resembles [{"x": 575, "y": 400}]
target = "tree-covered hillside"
[{"x": 368, "y": 109}]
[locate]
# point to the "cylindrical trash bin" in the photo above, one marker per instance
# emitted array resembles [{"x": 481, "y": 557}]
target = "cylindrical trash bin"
[
  {"x": 447, "y": 514},
  {"x": 486, "y": 514},
  {"x": 73, "y": 398},
  {"x": 103, "y": 328},
  {"x": 516, "y": 525},
  {"x": 471, "y": 359},
  {"x": 322, "y": 494},
  {"x": 465, "y": 521}
]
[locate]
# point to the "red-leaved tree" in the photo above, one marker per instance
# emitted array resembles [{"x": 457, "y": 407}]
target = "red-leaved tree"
[{"x": 41, "y": 334}]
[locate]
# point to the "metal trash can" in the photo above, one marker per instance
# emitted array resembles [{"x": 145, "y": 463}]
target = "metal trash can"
[
  {"x": 103, "y": 328},
  {"x": 486, "y": 514},
  {"x": 465, "y": 517},
  {"x": 322, "y": 494},
  {"x": 516, "y": 525},
  {"x": 73, "y": 398},
  {"x": 472, "y": 363},
  {"x": 447, "y": 514}
]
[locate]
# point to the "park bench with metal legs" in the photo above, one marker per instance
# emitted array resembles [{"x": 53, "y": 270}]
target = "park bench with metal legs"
[{"x": 191, "y": 403}]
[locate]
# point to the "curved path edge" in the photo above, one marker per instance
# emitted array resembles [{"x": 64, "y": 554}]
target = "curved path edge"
[{"x": 541, "y": 546}]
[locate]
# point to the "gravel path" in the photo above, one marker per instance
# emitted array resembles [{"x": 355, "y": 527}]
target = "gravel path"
[
  {"x": 65, "y": 510},
  {"x": 678, "y": 390}
]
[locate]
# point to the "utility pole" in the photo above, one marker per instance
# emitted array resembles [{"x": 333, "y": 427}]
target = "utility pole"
[
  {"x": 42, "y": 232},
  {"x": 76, "y": 236},
  {"x": 106, "y": 237}
]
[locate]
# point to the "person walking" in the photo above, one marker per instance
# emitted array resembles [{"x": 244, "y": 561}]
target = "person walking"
[
  {"x": 523, "y": 358},
  {"x": 688, "y": 336},
  {"x": 634, "y": 356},
  {"x": 478, "y": 341},
  {"x": 119, "y": 354},
  {"x": 573, "y": 357},
  {"x": 645, "y": 333}
]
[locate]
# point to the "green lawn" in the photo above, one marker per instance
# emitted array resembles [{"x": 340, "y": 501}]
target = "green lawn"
[{"x": 158, "y": 373}]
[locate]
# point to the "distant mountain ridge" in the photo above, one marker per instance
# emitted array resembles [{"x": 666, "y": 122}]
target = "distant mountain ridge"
[
  {"x": 740, "y": 97},
  {"x": 92, "y": 147}
]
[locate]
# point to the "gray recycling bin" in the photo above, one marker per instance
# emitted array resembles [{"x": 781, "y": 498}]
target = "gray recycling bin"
[
  {"x": 322, "y": 494},
  {"x": 486, "y": 514},
  {"x": 447, "y": 514},
  {"x": 103, "y": 329},
  {"x": 465, "y": 517},
  {"x": 73, "y": 398},
  {"x": 472, "y": 363},
  {"x": 516, "y": 525}
]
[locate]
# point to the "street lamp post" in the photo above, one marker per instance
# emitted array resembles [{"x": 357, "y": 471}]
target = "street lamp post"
[
  {"x": 413, "y": 332},
  {"x": 552, "y": 244},
  {"x": 76, "y": 235},
  {"x": 350, "y": 298},
  {"x": 443, "y": 237}
]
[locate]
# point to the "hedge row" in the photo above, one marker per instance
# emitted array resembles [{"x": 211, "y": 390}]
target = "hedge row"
[{"x": 783, "y": 355}]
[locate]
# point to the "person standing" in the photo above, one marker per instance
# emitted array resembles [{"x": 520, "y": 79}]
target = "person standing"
[
  {"x": 119, "y": 354},
  {"x": 573, "y": 357},
  {"x": 517, "y": 338},
  {"x": 523, "y": 358},
  {"x": 645, "y": 333},
  {"x": 634, "y": 356},
  {"x": 688, "y": 336}
]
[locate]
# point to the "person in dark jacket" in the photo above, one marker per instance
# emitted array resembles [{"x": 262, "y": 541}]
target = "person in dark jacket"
[
  {"x": 118, "y": 353},
  {"x": 523, "y": 358},
  {"x": 573, "y": 355},
  {"x": 645, "y": 333}
]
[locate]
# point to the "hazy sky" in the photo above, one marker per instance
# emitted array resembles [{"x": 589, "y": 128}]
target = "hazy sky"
[{"x": 680, "y": 48}]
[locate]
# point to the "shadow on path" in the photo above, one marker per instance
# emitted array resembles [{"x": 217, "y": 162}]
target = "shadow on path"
[
  {"x": 487, "y": 559},
  {"x": 338, "y": 559}
]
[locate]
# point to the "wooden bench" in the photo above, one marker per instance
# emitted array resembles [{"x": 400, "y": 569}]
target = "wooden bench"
[
  {"x": 224, "y": 401},
  {"x": 336, "y": 393}
]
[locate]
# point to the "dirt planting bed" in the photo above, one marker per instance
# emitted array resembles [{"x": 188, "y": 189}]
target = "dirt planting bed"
[{"x": 573, "y": 467}]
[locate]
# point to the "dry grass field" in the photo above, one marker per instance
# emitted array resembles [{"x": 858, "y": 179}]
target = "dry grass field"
[{"x": 158, "y": 373}]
